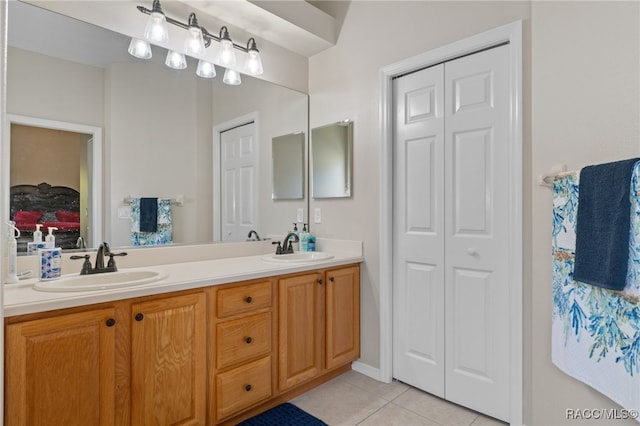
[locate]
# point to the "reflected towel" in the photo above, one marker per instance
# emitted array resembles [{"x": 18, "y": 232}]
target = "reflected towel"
[
  {"x": 148, "y": 214},
  {"x": 164, "y": 232}
]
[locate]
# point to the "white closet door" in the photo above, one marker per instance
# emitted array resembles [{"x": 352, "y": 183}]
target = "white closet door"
[
  {"x": 418, "y": 230},
  {"x": 238, "y": 157},
  {"x": 476, "y": 178},
  {"x": 450, "y": 290}
]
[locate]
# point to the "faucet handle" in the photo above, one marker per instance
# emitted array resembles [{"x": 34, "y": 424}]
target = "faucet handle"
[
  {"x": 279, "y": 248},
  {"x": 112, "y": 263},
  {"x": 86, "y": 265}
]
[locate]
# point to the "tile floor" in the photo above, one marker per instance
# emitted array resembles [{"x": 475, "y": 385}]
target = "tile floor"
[{"x": 355, "y": 399}]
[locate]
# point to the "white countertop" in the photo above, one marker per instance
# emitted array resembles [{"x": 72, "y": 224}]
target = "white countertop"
[{"x": 21, "y": 298}]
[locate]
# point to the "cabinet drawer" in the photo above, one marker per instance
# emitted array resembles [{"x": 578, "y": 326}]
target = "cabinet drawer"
[
  {"x": 242, "y": 387},
  {"x": 242, "y": 339},
  {"x": 245, "y": 298}
]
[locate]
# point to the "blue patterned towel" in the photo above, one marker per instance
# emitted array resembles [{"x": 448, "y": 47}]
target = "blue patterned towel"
[
  {"x": 595, "y": 331},
  {"x": 164, "y": 230},
  {"x": 602, "y": 239}
]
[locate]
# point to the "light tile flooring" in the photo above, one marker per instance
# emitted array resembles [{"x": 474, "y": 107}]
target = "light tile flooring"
[{"x": 355, "y": 399}]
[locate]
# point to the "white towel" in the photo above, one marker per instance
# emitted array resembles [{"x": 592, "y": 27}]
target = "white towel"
[{"x": 595, "y": 332}]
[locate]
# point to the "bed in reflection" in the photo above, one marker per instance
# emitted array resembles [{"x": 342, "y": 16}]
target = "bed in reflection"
[{"x": 50, "y": 206}]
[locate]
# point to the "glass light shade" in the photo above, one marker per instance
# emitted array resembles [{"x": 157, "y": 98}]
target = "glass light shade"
[
  {"x": 176, "y": 60},
  {"x": 205, "y": 69},
  {"x": 156, "y": 30},
  {"x": 139, "y": 48},
  {"x": 226, "y": 57},
  {"x": 231, "y": 77},
  {"x": 194, "y": 43},
  {"x": 254, "y": 63}
]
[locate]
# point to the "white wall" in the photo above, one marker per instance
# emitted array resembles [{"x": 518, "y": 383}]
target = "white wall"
[{"x": 581, "y": 106}]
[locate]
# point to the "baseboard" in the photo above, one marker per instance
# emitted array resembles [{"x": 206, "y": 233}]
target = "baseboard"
[{"x": 367, "y": 370}]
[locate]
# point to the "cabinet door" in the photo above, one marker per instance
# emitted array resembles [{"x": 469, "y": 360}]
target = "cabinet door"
[
  {"x": 342, "y": 316},
  {"x": 61, "y": 370},
  {"x": 168, "y": 361},
  {"x": 300, "y": 329}
]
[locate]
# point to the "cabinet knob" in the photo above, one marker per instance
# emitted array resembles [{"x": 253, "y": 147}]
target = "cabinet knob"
[
  {"x": 332, "y": 279},
  {"x": 249, "y": 299},
  {"x": 248, "y": 339},
  {"x": 111, "y": 322},
  {"x": 247, "y": 388},
  {"x": 139, "y": 317},
  {"x": 320, "y": 281}
]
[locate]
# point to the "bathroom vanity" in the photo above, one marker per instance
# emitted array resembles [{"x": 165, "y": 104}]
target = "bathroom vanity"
[{"x": 212, "y": 342}]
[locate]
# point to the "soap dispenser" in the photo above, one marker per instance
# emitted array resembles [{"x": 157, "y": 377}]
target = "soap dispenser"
[
  {"x": 304, "y": 238},
  {"x": 296, "y": 244},
  {"x": 37, "y": 243},
  {"x": 50, "y": 258}
]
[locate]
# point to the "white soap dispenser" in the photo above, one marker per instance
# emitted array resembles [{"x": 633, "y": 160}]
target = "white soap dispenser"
[
  {"x": 50, "y": 239},
  {"x": 37, "y": 243}
]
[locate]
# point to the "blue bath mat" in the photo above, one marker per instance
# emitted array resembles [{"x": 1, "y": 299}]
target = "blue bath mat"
[{"x": 283, "y": 415}]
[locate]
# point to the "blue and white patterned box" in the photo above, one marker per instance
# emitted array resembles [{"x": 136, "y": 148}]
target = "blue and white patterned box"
[
  {"x": 50, "y": 263},
  {"x": 32, "y": 248}
]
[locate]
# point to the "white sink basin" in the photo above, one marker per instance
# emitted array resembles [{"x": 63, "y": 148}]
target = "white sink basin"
[
  {"x": 102, "y": 281},
  {"x": 298, "y": 257}
]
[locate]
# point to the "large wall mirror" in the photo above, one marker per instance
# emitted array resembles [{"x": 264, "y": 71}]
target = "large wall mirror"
[
  {"x": 160, "y": 127},
  {"x": 331, "y": 153}
]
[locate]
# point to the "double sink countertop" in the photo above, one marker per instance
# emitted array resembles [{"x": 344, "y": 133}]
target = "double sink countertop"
[{"x": 22, "y": 298}]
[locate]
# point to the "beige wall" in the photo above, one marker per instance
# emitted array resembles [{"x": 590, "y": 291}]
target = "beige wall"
[
  {"x": 581, "y": 106},
  {"x": 585, "y": 109}
]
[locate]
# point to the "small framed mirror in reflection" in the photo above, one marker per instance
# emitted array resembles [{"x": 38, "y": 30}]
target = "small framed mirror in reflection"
[
  {"x": 288, "y": 167},
  {"x": 331, "y": 160}
]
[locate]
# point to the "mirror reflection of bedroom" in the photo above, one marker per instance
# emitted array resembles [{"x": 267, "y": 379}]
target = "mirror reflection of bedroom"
[{"x": 49, "y": 181}]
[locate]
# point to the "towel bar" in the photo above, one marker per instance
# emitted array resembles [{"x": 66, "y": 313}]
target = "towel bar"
[
  {"x": 178, "y": 201},
  {"x": 557, "y": 171}
]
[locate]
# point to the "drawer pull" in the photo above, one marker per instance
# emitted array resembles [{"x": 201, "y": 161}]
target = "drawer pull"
[
  {"x": 111, "y": 322},
  {"x": 248, "y": 388},
  {"x": 139, "y": 317},
  {"x": 249, "y": 299},
  {"x": 248, "y": 339}
]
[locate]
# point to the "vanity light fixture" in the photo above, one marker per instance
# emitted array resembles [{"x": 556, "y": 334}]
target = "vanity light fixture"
[
  {"x": 196, "y": 42},
  {"x": 231, "y": 77}
]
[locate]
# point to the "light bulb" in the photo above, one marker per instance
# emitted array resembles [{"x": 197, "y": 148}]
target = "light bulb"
[
  {"x": 231, "y": 77},
  {"x": 139, "y": 48},
  {"x": 254, "y": 63},
  {"x": 205, "y": 69},
  {"x": 156, "y": 30},
  {"x": 175, "y": 60},
  {"x": 194, "y": 43}
]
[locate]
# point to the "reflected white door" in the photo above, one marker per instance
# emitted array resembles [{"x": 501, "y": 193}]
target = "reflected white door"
[
  {"x": 451, "y": 311},
  {"x": 238, "y": 157}
]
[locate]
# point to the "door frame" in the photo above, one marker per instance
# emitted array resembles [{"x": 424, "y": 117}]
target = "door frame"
[
  {"x": 218, "y": 130},
  {"x": 511, "y": 33}
]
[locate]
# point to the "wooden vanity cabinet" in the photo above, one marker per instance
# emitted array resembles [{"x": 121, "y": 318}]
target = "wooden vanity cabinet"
[
  {"x": 126, "y": 363},
  {"x": 242, "y": 356},
  {"x": 319, "y": 323},
  {"x": 61, "y": 370},
  {"x": 168, "y": 361}
]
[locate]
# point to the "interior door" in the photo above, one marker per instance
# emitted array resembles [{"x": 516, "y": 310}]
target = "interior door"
[
  {"x": 476, "y": 276},
  {"x": 451, "y": 311},
  {"x": 239, "y": 159},
  {"x": 418, "y": 230}
]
